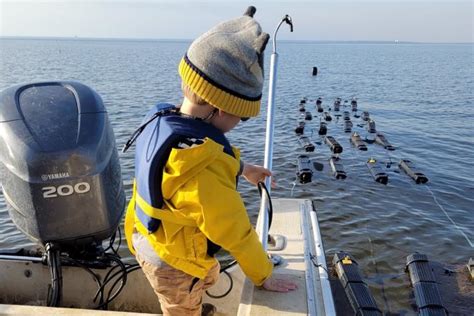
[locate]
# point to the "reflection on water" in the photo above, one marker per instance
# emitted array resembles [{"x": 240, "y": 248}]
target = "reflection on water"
[{"x": 419, "y": 95}]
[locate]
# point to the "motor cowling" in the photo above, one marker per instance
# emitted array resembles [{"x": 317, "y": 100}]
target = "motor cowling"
[{"x": 59, "y": 165}]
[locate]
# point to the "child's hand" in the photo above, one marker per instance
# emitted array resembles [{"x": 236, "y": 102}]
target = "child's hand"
[
  {"x": 255, "y": 174},
  {"x": 280, "y": 284}
]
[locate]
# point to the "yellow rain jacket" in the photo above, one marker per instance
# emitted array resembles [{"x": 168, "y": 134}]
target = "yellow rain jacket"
[{"x": 201, "y": 202}]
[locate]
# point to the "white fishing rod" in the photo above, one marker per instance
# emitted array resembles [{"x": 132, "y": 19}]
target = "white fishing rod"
[{"x": 262, "y": 224}]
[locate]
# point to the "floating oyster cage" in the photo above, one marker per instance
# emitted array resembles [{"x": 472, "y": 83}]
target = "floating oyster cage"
[{"x": 363, "y": 133}]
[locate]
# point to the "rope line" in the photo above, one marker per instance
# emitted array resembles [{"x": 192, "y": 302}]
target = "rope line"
[{"x": 450, "y": 219}]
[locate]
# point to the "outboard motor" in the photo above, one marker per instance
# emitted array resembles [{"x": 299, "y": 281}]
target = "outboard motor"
[{"x": 59, "y": 164}]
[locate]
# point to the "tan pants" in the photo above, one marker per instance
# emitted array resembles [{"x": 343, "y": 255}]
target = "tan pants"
[{"x": 179, "y": 293}]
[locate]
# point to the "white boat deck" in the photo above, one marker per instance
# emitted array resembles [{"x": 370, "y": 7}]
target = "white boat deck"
[{"x": 288, "y": 221}]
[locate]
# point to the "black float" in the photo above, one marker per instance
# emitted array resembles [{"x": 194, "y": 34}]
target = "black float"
[
  {"x": 358, "y": 293},
  {"x": 354, "y": 105},
  {"x": 347, "y": 116},
  {"x": 305, "y": 171},
  {"x": 371, "y": 126},
  {"x": 323, "y": 129},
  {"x": 305, "y": 142},
  {"x": 336, "y": 148},
  {"x": 337, "y": 168},
  {"x": 427, "y": 297},
  {"x": 347, "y": 126},
  {"x": 337, "y": 104},
  {"x": 300, "y": 128},
  {"x": 381, "y": 140},
  {"x": 408, "y": 167},
  {"x": 358, "y": 142},
  {"x": 327, "y": 116},
  {"x": 376, "y": 171},
  {"x": 365, "y": 116}
]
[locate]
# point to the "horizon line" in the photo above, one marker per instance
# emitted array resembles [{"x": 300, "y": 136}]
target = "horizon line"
[{"x": 135, "y": 39}]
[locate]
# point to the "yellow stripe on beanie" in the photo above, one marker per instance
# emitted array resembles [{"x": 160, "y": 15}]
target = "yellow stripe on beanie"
[{"x": 216, "y": 96}]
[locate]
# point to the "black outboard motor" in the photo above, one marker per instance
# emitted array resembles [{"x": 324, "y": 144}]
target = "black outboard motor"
[{"x": 59, "y": 165}]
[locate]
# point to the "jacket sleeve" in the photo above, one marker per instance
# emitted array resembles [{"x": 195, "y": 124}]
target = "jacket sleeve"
[{"x": 221, "y": 215}]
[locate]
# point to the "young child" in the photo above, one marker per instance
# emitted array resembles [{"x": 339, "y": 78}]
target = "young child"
[{"x": 185, "y": 204}]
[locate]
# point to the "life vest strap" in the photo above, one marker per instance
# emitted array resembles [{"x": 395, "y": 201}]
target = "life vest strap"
[{"x": 161, "y": 214}]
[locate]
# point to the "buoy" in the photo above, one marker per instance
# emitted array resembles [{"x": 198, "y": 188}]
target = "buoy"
[
  {"x": 354, "y": 104},
  {"x": 305, "y": 172},
  {"x": 381, "y": 140},
  {"x": 347, "y": 126},
  {"x": 315, "y": 71},
  {"x": 337, "y": 104},
  {"x": 320, "y": 107},
  {"x": 365, "y": 116},
  {"x": 371, "y": 126},
  {"x": 376, "y": 171},
  {"x": 347, "y": 270},
  {"x": 358, "y": 142},
  {"x": 322, "y": 129},
  {"x": 306, "y": 143},
  {"x": 300, "y": 128},
  {"x": 337, "y": 168},
  {"x": 327, "y": 116},
  {"x": 407, "y": 166},
  {"x": 336, "y": 148},
  {"x": 424, "y": 283},
  {"x": 347, "y": 116},
  {"x": 308, "y": 116}
]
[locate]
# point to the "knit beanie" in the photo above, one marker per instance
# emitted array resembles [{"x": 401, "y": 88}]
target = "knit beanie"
[{"x": 224, "y": 66}]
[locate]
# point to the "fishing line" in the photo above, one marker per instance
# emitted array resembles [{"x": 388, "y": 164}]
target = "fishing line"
[{"x": 449, "y": 217}]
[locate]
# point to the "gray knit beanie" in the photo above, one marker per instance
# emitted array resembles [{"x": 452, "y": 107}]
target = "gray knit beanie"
[{"x": 224, "y": 66}]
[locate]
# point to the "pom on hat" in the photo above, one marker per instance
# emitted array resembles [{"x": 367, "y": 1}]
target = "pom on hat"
[{"x": 224, "y": 66}]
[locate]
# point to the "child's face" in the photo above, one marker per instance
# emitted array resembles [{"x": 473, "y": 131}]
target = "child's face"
[{"x": 225, "y": 121}]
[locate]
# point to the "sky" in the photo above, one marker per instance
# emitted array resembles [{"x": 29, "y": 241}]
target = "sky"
[{"x": 321, "y": 20}]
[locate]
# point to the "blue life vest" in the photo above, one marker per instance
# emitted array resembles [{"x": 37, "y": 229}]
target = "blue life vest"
[{"x": 153, "y": 149}]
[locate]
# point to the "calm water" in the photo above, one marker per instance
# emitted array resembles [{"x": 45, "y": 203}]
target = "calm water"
[{"x": 420, "y": 96}]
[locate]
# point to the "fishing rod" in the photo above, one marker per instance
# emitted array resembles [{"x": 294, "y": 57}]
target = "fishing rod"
[{"x": 263, "y": 221}]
